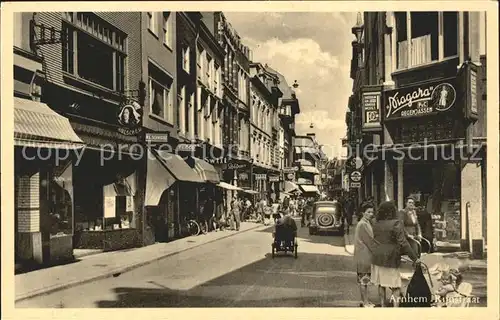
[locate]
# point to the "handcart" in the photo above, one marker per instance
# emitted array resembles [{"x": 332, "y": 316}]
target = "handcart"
[{"x": 284, "y": 240}]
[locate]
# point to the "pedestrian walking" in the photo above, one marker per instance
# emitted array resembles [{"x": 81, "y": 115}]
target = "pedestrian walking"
[
  {"x": 208, "y": 214},
  {"x": 263, "y": 205},
  {"x": 363, "y": 248},
  {"x": 390, "y": 242},
  {"x": 248, "y": 208},
  {"x": 410, "y": 222},
  {"x": 426, "y": 225},
  {"x": 267, "y": 212},
  {"x": 286, "y": 204},
  {"x": 236, "y": 210}
]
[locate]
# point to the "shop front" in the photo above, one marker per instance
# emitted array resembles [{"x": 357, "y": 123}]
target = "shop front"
[
  {"x": 430, "y": 158},
  {"x": 207, "y": 190},
  {"x": 171, "y": 194},
  {"x": 108, "y": 214},
  {"x": 45, "y": 149}
]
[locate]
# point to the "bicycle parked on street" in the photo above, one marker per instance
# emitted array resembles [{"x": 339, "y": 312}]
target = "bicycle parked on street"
[{"x": 191, "y": 227}]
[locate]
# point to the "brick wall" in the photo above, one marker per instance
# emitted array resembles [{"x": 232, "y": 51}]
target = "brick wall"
[{"x": 28, "y": 203}]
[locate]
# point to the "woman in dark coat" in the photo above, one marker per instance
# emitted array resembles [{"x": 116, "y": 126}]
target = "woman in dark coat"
[
  {"x": 390, "y": 244},
  {"x": 425, "y": 222}
]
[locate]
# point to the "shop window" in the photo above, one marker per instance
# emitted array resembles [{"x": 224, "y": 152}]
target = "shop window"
[
  {"x": 60, "y": 189},
  {"x": 95, "y": 51},
  {"x": 106, "y": 207},
  {"x": 160, "y": 94}
]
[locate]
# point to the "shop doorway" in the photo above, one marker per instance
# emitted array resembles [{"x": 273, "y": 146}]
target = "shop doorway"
[{"x": 436, "y": 189}]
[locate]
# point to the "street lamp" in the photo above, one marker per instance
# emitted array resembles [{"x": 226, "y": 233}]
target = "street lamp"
[
  {"x": 295, "y": 84},
  {"x": 357, "y": 30}
]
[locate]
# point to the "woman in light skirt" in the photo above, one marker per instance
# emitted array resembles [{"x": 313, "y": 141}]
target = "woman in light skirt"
[{"x": 390, "y": 240}]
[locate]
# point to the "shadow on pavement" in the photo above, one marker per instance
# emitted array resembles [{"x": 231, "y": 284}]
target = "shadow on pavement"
[{"x": 312, "y": 280}]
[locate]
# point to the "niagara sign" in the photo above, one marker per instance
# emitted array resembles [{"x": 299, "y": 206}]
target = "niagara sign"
[{"x": 421, "y": 100}]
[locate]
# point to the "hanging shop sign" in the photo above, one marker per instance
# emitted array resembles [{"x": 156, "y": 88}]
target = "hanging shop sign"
[
  {"x": 468, "y": 77},
  {"x": 355, "y": 163},
  {"x": 187, "y": 147},
  {"x": 130, "y": 117},
  {"x": 290, "y": 170},
  {"x": 157, "y": 137},
  {"x": 260, "y": 176},
  {"x": 422, "y": 100},
  {"x": 355, "y": 185},
  {"x": 371, "y": 111},
  {"x": 355, "y": 176},
  {"x": 274, "y": 178},
  {"x": 235, "y": 166}
]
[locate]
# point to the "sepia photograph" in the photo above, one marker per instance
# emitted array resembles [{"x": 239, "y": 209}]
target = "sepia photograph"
[{"x": 249, "y": 159}]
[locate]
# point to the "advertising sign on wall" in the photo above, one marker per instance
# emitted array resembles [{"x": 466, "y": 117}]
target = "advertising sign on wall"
[
  {"x": 370, "y": 102},
  {"x": 468, "y": 76},
  {"x": 422, "y": 100}
]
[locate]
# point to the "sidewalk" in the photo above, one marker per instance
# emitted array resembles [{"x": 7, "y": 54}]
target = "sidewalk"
[{"x": 108, "y": 264}]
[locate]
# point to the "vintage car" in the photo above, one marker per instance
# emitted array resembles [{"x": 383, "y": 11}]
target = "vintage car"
[{"x": 327, "y": 216}]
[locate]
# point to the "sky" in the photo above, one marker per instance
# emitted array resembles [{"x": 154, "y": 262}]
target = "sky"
[{"x": 313, "y": 48}]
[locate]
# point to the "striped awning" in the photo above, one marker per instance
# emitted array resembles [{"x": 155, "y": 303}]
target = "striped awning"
[
  {"x": 228, "y": 186},
  {"x": 177, "y": 166},
  {"x": 206, "y": 171},
  {"x": 290, "y": 186},
  {"x": 309, "y": 188},
  {"x": 38, "y": 126},
  {"x": 309, "y": 169}
]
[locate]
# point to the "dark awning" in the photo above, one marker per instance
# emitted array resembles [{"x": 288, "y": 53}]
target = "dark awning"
[
  {"x": 206, "y": 171},
  {"x": 163, "y": 170},
  {"x": 177, "y": 167},
  {"x": 36, "y": 125}
]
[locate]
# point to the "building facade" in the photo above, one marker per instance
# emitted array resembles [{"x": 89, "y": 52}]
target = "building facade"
[
  {"x": 264, "y": 94},
  {"x": 89, "y": 64},
  {"x": 139, "y": 116},
  {"x": 307, "y": 157},
  {"x": 418, "y": 98},
  {"x": 236, "y": 89}
]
